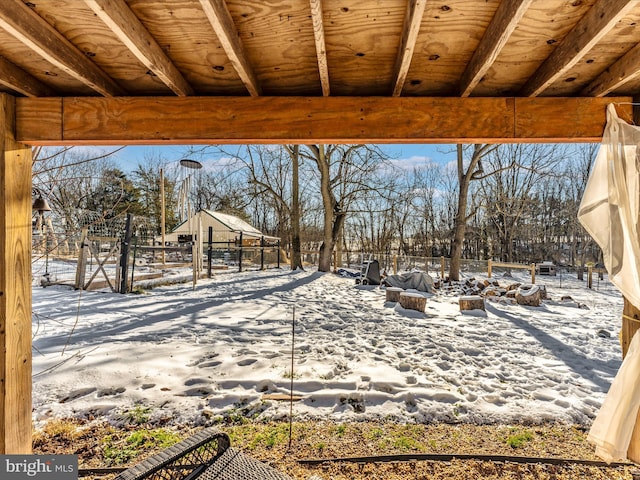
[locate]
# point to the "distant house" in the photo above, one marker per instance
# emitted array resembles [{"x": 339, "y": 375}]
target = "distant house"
[
  {"x": 546, "y": 268},
  {"x": 226, "y": 229}
]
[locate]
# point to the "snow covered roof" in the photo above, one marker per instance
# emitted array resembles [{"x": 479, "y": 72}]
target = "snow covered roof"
[
  {"x": 223, "y": 222},
  {"x": 233, "y": 223}
]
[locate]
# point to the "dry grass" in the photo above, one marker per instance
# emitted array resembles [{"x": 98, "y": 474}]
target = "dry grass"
[{"x": 103, "y": 445}]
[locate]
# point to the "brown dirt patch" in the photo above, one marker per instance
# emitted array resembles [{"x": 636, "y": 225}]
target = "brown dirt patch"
[{"x": 101, "y": 445}]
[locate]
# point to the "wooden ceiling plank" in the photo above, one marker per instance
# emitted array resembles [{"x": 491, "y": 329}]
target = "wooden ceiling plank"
[
  {"x": 596, "y": 23},
  {"x": 410, "y": 30},
  {"x": 117, "y": 15},
  {"x": 321, "y": 49},
  {"x": 29, "y": 28},
  {"x": 222, "y": 23},
  {"x": 614, "y": 77},
  {"x": 502, "y": 25},
  {"x": 266, "y": 120},
  {"x": 16, "y": 79}
]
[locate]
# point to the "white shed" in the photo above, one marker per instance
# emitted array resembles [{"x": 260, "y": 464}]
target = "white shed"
[{"x": 226, "y": 228}]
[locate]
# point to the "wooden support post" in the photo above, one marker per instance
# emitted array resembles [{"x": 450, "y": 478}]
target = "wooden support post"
[
  {"x": 630, "y": 325},
  {"x": 489, "y": 268},
  {"x": 15, "y": 286},
  {"x": 395, "y": 264},
  {"x": 533, "y": 274}
]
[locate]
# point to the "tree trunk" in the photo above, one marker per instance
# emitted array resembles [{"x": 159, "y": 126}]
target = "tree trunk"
[
  {"x": 296, "y": 255},
  {"x": 460, "y": 222},
  {"x": 328, "y": 203}
]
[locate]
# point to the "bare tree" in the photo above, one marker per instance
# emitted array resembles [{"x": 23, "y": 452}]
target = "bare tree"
[
  {"x": 69, "y": 178},
  {"x": 296, "y": 243},
  {"x": 509, "y": 192},
  {"x": 576, "y": 176},
  {"x": 468, "y": 171},
  {"x": 344, "y": 173}
]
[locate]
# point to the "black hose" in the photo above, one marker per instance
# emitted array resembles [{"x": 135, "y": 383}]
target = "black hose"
[{"x": 449, "y": 457}]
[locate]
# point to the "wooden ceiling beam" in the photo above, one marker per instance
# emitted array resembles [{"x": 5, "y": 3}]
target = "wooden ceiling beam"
[
  {"x": 595, "y": 24},
  {"x": 321, "y": 49},
  {"x": 502, "y": 25},
  {"x": 621, "y": 72},
  {"x": 222, "y": 23},
  {"x": 411, "y": 28},
  {"x": 13, "y": 77},
  {"x": 117, "y": 15},
  {"x": 246, "y": 120},
  {"x": 28, "y": 27}
]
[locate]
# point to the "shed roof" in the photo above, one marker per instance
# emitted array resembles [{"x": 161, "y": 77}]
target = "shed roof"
[
  {"x": 230, "y": 223},
  {"x": 226, "y": 227}
]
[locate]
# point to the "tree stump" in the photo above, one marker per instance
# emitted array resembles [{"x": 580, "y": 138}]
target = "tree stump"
[
  {"x": 529, "y": 295},
  {"x": 393, "y": 294},
  {"x": 413, "y": 301},
  {"x": 471, "y": 302}
]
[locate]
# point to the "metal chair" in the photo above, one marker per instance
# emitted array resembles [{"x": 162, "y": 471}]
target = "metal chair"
[{"x": 207, "y": 455}]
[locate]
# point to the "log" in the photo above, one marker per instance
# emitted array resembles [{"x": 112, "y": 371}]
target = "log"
[
  {"x": 393, "y": 294},
  {"x": 529, "y": 295},
  {"x": 413, "y": 301},
  {"x": 471, "y": 302}
]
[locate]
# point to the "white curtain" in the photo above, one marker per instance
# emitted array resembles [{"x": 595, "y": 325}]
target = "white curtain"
[{"x": 610, "y": 212}]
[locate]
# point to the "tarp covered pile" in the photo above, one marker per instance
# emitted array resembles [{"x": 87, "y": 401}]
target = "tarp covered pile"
[{"x": 415, "y": 280}]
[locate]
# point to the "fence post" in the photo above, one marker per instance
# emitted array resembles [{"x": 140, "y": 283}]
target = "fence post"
[
  {"x": 133, "y": 263},
  {"x": 82, "y": 260},
  {"x": 278, "y": 255},
  {"x": 533, "y": 273},
  {"x": 395, "y": 264},
  {"x": 209, "y": 251},
  {"x": 240, "y": 254},
  {"x": 589, "y": 276},
  {"x": 442, "y": 267},
  {"x": 124, "y": 253},
  {"x": 489, "y": 268},
  {"x": 262, "y": 252}
]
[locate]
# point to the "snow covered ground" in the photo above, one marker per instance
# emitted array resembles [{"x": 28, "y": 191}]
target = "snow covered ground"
[{"x": 225, "y": 349}]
